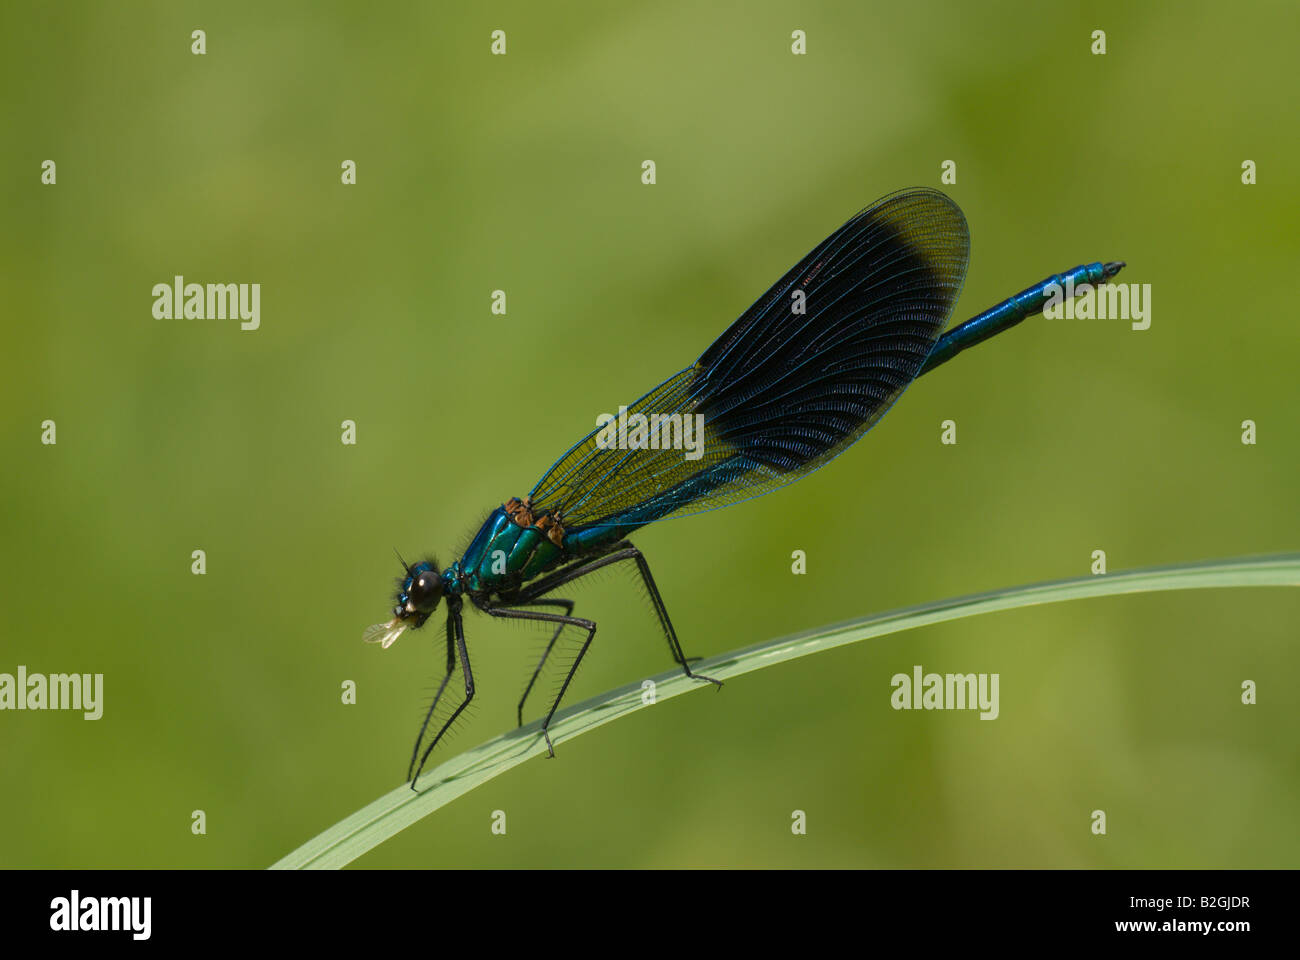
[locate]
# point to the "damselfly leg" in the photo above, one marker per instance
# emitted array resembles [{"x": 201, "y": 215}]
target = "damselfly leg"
[
  {"x": 456, "y": 632},
  {"x": 532, "y": 596}
]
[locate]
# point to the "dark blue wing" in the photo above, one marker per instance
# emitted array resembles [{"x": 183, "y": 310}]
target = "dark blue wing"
[{"x": 781, "y": 392}]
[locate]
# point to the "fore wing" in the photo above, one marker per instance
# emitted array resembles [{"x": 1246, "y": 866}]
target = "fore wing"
[{"x": 781, "y": 392}]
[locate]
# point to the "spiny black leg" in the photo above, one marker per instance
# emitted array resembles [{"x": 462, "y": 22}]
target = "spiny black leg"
[
  {"x": 453, "y": 618},
  {"x": 618, "y": 552},
  {"x": 451, "y": 665},
  {"x": 563, "y": 621},
  {"x": 568, "y": 610},
  {"x": 680, "y": 655}
]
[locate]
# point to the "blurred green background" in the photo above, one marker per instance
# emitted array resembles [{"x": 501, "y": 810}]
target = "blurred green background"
[{"x": 522, "y": 173}]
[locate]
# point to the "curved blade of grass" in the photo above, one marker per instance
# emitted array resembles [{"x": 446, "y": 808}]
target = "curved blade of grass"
[{"x": 398, "y": 809}]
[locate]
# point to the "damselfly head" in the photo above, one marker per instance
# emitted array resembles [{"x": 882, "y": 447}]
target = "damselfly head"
[{"x": 418, "y": 594}]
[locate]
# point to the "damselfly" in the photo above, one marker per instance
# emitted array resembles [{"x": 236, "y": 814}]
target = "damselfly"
[{"x": 805, "y": 371}]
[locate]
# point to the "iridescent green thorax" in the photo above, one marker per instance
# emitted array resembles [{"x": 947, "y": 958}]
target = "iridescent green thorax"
[{"x": 513, "y": 546}]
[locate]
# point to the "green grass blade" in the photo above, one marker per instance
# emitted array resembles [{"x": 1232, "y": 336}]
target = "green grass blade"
[{"x": 394, "y": 811}]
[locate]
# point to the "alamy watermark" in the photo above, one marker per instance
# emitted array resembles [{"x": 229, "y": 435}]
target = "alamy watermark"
[
  {"x": 58, "y": 691},
  {"x": 1102, "y": 301},
  {"x": 77, "y": 913},
  {"x": 659, "y": 431},
  {"x": 213, "y": 301},
  {"x": 946, "y": 691}
]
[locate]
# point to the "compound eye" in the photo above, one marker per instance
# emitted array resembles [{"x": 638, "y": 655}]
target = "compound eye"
[{"x": 426, "y": 589}]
